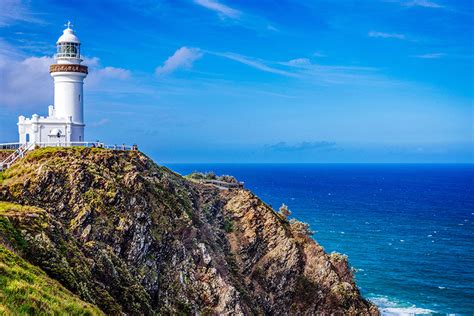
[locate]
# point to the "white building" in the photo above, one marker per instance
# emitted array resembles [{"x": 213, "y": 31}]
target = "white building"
[{"x": 65, "y": 121}]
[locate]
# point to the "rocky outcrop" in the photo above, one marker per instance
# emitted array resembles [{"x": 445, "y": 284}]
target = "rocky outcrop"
[{"x": 132, "y": 237}]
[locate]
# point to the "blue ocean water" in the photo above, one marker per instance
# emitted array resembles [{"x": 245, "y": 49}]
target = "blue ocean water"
[{"x": 407, "y": 229}]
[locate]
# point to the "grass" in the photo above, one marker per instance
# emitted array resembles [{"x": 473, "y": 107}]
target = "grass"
[
  {"x": 9, "y": 208},
  {"x": 27, "y": 290},
  {"x": 7, "y": 232},
  {"x": 24, "y": 288},
  {"x": 47, "y": 152},
  {"x": 10, "y": 235}
]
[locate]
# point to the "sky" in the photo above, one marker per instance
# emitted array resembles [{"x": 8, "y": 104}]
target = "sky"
[{"x": 374, "y": 81}]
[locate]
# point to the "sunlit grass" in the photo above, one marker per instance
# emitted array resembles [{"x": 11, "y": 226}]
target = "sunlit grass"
[{"x": 27, "y": 290}]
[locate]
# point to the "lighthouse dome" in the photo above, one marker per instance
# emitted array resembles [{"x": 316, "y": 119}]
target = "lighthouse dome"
[
  {"x": 68, "y": 47},
  {"x": 68, "y": 37}
]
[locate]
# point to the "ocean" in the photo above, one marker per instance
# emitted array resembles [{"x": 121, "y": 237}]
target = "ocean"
[{"x": 407, "y": 228}]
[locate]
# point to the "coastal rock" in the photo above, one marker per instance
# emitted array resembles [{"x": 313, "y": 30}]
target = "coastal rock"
[{"x": 132, "y": 237}]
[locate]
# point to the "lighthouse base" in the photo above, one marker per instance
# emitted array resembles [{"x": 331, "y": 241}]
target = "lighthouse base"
[{"x": 51, "y": 129}]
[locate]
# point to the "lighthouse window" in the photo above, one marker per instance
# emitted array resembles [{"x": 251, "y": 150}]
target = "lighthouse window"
[
  {"x": 79, "y": 96},
  {"x": 68, "y": 50}
]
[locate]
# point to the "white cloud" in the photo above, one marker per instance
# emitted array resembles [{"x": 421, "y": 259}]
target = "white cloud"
[
  {"x": 272, "y": 28},
  {"x": 255, "y": 63},
  {"x": 299, "y": 62},
  {"x": 232, "y": 16},
  {"x": 222, "y": 9},
  {"x": 318, "y": 54},
  {"x": 431, "y": 55},
  {"x": 422, "y": 3},
  {"x": 13, "y": 11},
  {"x": 182, "y": 58},
  {"x": 8, "y": 51},
  {"x": 333, "y": 74},
  {"x": 99, "y": 74},
  {"x": 386, "y": 35},
  {"x": 91, "y": 62},
  {"x": 25, "y": 81},
  {"x": 304, "y": 68},
  {"x": 305, "y": 63},
  {"x": 112, "y": 72}
]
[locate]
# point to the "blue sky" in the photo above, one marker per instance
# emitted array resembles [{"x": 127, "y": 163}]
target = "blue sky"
[{"x": 255, "y": 81}]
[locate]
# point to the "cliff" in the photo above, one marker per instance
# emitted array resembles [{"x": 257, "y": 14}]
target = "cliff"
[{"x": 131, "y": 237}]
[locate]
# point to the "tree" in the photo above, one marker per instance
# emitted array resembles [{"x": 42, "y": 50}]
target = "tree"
[{"x": 284, "y": 210}]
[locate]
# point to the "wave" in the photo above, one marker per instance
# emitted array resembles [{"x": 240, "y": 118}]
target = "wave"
[
  {"x": 405, "y": 311},
  {"x": 393, "y": 307}
]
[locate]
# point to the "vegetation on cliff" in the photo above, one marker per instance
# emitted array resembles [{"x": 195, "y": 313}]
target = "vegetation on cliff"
[
  {"x": 131, "y": 237},
  {"x": 211, "y": 176},
  {"x": 24, "y": 288}
]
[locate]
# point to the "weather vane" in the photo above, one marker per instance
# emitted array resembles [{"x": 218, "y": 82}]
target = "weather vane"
[{"x": 68, "y": 24}]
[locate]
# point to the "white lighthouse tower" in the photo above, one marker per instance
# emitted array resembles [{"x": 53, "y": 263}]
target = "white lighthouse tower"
[{"x": 65, "y": 121}]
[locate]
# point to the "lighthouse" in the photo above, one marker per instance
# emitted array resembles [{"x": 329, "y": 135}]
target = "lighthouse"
[
  {"x": 68, "y": 75},
  {"x": 65, "y": 121}
]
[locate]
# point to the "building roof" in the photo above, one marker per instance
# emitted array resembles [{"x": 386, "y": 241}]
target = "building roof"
[{"x": 68, "y": 37}]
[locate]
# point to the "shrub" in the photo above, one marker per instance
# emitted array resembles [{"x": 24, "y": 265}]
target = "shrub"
[
  {"x": 284, "y": 210},
  {"x": 301, "y": 227},
  {"x": 211, "y": 176},
  {"x": 228, "y": 225}
]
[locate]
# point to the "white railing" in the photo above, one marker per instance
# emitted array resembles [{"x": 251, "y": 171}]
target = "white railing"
[
  {"x": 68, "y": 144},
  {"x": 85, "y": 144},
  {"x": 21, "y": 149},
  {"x": 19, "y": 153},
  {"x": 10, "y": 146}
]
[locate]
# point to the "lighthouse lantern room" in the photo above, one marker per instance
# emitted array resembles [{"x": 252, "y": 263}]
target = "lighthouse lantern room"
[{"x": 65, "y": 121}]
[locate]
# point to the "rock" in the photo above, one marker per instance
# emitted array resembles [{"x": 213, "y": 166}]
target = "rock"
[{"x": 135, "y": 238}]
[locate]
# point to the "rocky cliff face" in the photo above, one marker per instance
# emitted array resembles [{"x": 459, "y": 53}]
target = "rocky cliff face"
[{"x": 132, "y": 237}]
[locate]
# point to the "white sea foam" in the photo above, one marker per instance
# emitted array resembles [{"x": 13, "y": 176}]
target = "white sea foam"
[
  {"x": 405, "y": 311},
  {"x": 389, "y": 307}
]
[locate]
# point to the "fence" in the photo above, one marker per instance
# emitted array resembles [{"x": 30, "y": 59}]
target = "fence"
[
  {"x": 69, "y": 144},
  {"x": 21, "y": 149},
  {"x": 10, "y": 146}
]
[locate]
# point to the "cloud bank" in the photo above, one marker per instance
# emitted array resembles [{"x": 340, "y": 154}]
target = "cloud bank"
[{"x": 25, "y": 81}]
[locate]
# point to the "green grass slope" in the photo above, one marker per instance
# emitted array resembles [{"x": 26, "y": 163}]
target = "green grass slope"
[{"x": 24, "y": 288}]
